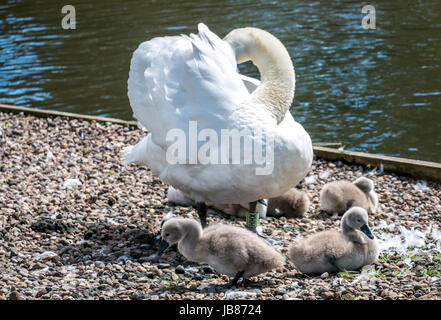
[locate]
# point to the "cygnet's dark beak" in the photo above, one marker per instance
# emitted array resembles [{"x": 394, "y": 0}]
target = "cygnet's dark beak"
[
  {"x": 365, "y": 229},
  {"x": 164, "y": 245}
]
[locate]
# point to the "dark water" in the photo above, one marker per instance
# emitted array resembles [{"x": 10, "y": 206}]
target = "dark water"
[{"x": 376, "y": 90}]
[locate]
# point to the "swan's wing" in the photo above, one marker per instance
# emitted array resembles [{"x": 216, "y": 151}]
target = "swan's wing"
[{"x": 174, "y": 80}]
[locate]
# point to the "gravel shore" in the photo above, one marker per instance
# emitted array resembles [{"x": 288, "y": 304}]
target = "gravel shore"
[{"x": 91, "y": 238}]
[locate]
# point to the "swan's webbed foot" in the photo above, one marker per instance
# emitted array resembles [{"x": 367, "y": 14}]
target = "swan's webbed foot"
[
  {"x": 236, "y": 278},
  {"x": 202, "y": 212}
]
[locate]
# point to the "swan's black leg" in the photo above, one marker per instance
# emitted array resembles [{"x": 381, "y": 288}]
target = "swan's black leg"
[
  {"x": 235, "y": 279},
  {"x": 202, "y": 212}
]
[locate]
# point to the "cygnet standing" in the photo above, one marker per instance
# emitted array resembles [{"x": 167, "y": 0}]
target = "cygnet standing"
[
  {"x": 228, "y": 249},
  {"x": 350, "y": 248}
]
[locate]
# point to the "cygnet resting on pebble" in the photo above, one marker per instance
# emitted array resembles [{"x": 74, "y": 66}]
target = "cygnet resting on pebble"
[
  {"x": 350, "y": 248},
  {"x": 339, "y": 196},
  {"x": 228, "y": 249},
  {"x": 292, "y": 204}
]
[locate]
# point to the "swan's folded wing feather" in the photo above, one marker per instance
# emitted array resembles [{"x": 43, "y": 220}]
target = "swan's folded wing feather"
[{"x": 174, "y": 80}]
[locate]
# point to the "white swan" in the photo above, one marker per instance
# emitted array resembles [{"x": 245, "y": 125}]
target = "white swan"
[{"x": 175, "y": 80}]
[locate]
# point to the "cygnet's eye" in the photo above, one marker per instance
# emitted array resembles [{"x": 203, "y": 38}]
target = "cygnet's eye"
[{"x": 167, "y": 234}]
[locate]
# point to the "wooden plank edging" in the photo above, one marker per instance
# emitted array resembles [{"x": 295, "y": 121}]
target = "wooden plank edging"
[
  {"x": 416, "y": 168},
  {"x": 50, "y": 113}
]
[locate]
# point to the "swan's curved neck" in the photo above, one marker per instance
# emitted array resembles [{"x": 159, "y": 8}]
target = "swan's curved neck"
[
  {"x": 350, "y": 232},
  {"x": 276, "y": 90},
  {"x": 187, "y": 245}
]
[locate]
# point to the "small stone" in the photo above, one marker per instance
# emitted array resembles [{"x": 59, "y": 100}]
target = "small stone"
[
  {"x": 206, "y": 269},
  {"x": 41, "y": 292},
  {"x": 141, "y": 269},
  {"x": 180, "y": 269},
  {"x": 324, "y": 275},
  {"x": 14, "y": 295},
  {"x": 281, "y": 291},
  {"x": 174, "y": 276},
  {"x": 392, "y": 294},
  {"x": 327, "y": 295}
]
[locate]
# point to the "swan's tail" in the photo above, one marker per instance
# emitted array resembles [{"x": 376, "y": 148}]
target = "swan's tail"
[{"x": 135, "y": 154}]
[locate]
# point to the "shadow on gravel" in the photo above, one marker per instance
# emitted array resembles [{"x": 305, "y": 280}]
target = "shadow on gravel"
[
  {"x": 110, "y": 243},
  {"x": 218, "y": 287}
]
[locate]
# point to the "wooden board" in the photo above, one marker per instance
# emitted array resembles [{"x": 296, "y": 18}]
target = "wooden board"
[
  {"x": 50, "y": 113},
  {"x": 415, "y": 168}
]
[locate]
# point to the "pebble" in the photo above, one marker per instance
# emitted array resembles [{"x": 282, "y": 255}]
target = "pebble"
[
  {"x": 180, "y": 269},
  {"x": 141, "y": 269},
  {"x": 15, "y": 296},
  {"x": 327, "y": 295}
]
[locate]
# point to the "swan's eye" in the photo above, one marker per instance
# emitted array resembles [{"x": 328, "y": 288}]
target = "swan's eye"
[{"x": 167, "y": 234}]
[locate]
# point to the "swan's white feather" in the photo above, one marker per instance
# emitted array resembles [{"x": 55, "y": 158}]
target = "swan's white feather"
[
  {"x": 136, "y": 154},
  {"x": 190, "y": 75},
  {"x": 178, "y": 197},
  {"x": 174, "y": 80}
]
